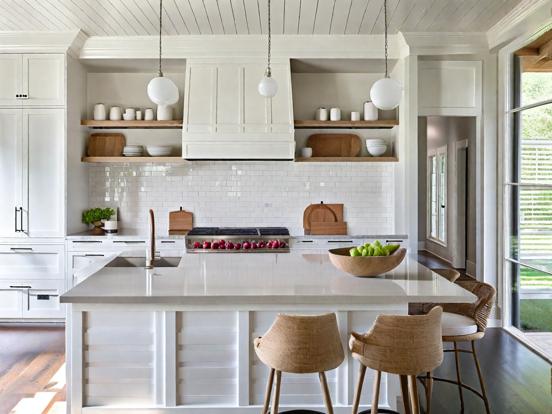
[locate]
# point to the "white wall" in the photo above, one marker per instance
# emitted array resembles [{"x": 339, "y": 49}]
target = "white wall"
[
  {"x": 435, "y": 132},
  {"x": 247, "y": 193}
]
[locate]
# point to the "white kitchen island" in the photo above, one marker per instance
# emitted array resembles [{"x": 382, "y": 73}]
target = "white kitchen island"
[{"x": 173, "y": 340}]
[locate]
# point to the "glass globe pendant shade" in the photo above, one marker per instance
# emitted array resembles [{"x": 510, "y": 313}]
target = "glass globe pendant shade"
[
  {"x": 268, "y": 87},
  {"x": 386, "y": 94},
  {"x": 162, "y": 91}
]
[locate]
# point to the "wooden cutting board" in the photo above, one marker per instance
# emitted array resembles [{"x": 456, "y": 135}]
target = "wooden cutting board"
[
  {"x": 317, "y": 215},
  {"x": 106, "y": 145},
  {"x": 334, "y": 145},
  {"x": 180, "y": 222}
]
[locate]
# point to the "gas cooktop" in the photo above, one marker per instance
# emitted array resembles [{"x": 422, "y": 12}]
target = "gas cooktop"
[{"x": 238, "y": 239}]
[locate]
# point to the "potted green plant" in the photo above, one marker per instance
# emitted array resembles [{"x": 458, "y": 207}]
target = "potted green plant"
[{"x": 94, "y": 217}]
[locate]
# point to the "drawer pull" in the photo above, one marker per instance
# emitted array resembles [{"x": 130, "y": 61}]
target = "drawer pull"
[
  {"x": 43, "y": 296},
  {"x": 340, "y": 241},
  {"x": 307, "y": 241},
  {"x": 21, "y": 249},
  {"x": 393, "y": 241},
  {"x": 94, "y": 255},
  {"x": 20, "y": 287},
  {"x": 168, "y": 242},
  {"x": 87, "y": 241},
  {"x": 130, "y": 241}
]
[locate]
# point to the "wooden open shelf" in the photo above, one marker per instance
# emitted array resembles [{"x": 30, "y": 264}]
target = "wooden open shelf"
[
  {"x": 174, "y": 160},
  {"x": 347, "y": 159},
  {"x": 132, "y": 124},
  {"x": 313, "y": 124}
]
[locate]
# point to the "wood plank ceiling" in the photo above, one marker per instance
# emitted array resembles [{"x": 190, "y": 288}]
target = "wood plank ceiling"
[{"x": 182, "y": 17}]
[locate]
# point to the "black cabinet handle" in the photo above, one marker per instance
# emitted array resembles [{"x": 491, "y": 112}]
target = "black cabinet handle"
[
  {"x": 20, "y": 287},
  {"x": 21, "y": 249},
  {"x": 21, "y": 217},
  {"x": 16, "y": 229}
]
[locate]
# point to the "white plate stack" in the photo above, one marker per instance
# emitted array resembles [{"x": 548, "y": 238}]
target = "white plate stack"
[
  {"x": 133, "y": 151},
  {"x": 159, "y": 150},
  {"x": 376, "y": 147}
]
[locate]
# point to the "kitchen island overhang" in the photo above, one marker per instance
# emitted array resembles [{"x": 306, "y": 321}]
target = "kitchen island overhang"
[{"x": 180, "y": 339}]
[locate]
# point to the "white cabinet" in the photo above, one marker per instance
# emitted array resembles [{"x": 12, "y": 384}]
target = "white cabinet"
[
  {"x": 31, "y": 280},
  {"x": 32, "y": 172},
  {"x": 226, "y": 118},
  {"x": 32, "y": 80},
  {"x": 449, "y": 88}
]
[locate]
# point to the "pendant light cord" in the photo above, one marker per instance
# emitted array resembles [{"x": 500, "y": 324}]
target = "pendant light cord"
[
  {"x": 160, "y": 72},
  {"x": 385, "y": 28},
  {"x": 268, "y": 71}
]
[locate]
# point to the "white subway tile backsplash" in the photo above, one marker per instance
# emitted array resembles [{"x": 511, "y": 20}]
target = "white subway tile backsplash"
[{"x": 247, "y": 193}]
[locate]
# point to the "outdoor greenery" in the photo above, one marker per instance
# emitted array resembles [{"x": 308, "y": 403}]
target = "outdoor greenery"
[{"x": 536, "y": 315}]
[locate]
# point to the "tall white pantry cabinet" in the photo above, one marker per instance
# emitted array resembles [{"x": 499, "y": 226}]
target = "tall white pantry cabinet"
[{"x": 32, "y": 185}]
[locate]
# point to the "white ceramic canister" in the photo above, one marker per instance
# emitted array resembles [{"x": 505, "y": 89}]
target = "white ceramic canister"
[
  {"x": 355, "y": 116},
  {"x": 335, "y": 114},
  {"x": 164, "y": 113},
  {"x": 115, "y": 113},
  {"x": 148, "y": 114},
  {"x": 138, "y": 115},
  {"x": 99, "y": 112},
  {"x": 131, "y": 112},
  {"x": 306, "y": 152},
  {"x": 322, "y": 114},
  {"x": 370, "y": 111}
]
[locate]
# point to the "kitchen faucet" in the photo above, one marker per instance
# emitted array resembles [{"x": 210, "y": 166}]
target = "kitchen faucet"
[{"x": 150, "y": 253}]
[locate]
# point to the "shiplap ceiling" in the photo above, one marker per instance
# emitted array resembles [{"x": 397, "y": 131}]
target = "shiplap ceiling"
[{"x": 181, "y": 17}]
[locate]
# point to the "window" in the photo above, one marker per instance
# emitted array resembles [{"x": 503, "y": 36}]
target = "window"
[
  {"x": 528, "y": 190},
  {"x": 437, "y": 192}
]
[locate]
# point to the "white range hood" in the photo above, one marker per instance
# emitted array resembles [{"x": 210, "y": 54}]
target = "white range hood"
[{"x": 226, "y": 118}]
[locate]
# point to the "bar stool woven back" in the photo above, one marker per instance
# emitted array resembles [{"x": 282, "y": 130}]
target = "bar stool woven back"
[{"x": 300, "y": 344}]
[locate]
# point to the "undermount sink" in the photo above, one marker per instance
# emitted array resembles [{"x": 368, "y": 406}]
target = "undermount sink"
[{"x": 141, "y": 262}]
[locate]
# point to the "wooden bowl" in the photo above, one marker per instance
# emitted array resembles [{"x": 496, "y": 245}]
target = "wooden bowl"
[{"x": 365, "y": 266}]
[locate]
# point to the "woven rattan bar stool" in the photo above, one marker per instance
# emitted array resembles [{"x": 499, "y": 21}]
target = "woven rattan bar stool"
[
  {"x": 463, "y": 322},
  {"x": 301, "y": 345},
  {"x": 402, "y": 345}
]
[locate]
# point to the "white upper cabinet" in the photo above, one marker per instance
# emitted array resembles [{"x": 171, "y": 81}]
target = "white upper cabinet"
[
  {"x": 32, "y": 172},
  {"x": 449, "y": 88},
  {"x": 226, "y": 118},
  {"x": 32, "y": 80},
  {"x": 11, "y": 84}
]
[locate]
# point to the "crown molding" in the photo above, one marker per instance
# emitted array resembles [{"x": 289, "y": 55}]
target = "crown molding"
[
  {"x": 522, "y": 20},
  {"x": 446, "y": 43},
  {"x": 39, "y": 42},
  {"x": 285, "y": 46}
]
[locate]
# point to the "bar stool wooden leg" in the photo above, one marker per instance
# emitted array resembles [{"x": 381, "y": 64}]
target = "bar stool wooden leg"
[
  {"x": 404, "y": 391},
  {"x": 326, "y": 392},
  {"x": 268, "y": 390},
  {"x": 413, "y": 391},
  {"x": 276, "y": 398},
  {"x": 481, "y": 383},
  {"x": 458, "y": 378},
  {"x": 375, "y": 392},
  {"x": 428, "y": 389},
  {"x": 358, "y": 389}
]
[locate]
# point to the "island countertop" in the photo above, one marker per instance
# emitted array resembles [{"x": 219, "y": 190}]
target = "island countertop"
[{"x": 260, "y": 280}]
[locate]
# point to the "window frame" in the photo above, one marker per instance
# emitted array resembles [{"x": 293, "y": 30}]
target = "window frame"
[{"x": 437, "y": 153}]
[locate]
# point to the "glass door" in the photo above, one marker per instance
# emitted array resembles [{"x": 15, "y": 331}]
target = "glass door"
[{"x": 529, "y": 198}]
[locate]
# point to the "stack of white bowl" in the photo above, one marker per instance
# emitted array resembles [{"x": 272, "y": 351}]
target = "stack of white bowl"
[
  {"x": 376, "y": 146},
  {"x": 159, "y": 150},
  {"x": 133, "y": 150}
]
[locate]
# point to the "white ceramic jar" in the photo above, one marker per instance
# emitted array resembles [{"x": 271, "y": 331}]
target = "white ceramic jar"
[
  {"x": 322, "y": 114},
  {"x": 355, "y": 116},
  {"x": 99, "y": 112},
  {"x": 335, "y": 114},
  {"x": 115, "y": 113},
  {"x": 370, "y": 111},
  {"x": 148, "y": 114}
]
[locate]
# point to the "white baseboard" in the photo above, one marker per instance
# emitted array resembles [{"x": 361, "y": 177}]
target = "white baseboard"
[{"x": 471, "y": 268}]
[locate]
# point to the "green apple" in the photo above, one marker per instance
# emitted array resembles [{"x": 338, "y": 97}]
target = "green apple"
[{"x": 355, "y": 252}]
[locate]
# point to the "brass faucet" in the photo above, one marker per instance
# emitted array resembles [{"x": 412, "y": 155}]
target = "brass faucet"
[{"x": 150, "y": 258}]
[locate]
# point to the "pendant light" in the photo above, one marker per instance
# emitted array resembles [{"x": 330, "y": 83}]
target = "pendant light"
[
  {"x": 386, "y": 92},
  {"x": 268, "y": 87},
  {"x": 161, "y": 90}
]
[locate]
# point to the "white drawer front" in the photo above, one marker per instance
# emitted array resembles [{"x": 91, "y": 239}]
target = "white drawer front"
[
  {"x": 43, "y": 302},
  {"x": 23, "y": 298},
  {"x": 11, "y": 303},
  {"x": 31, "y": 262}
]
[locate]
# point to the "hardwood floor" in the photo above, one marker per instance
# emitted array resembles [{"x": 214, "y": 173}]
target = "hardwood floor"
[
  {"x": 32, "y": 377},
  {"x": 32, "y": 369}
]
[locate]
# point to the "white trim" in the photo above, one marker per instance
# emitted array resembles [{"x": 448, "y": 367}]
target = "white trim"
[
  {"x": 430, "y": 43},
  {"x": 40, "y": 42},
  {"x": 520, "y": 336},
  {"x": 456, "y": 260},
  {"x": 526, "y": 15},
  {"x": 431, "y": 153}
]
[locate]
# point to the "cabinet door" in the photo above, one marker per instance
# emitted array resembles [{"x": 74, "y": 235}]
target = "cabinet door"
[
  {"x": 43, "y": 79},
  {"x": 199, "y": 102},
  {"x": 229, "y": 110},
  {"x": 43, "y": 132},
  {"x": 43, "y": 300},
  {"x": 281, "y": 109},
  {"x": 10, "y": 79},
  {"x": 11, "y": 302},
  {"x": 11, "y": 158},
  {"x": 256, "y": 116}
]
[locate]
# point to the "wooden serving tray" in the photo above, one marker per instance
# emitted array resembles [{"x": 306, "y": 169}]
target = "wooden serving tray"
[{"x": 334, "y": 145}]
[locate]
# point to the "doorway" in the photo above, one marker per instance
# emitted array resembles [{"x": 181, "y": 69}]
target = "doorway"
[{"x": 446, "y": 193}]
